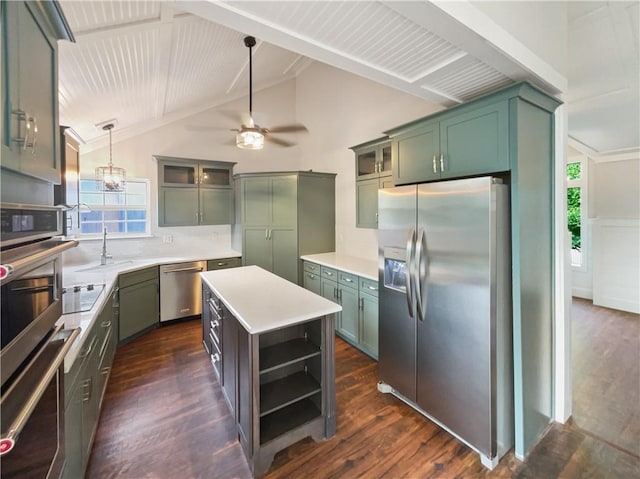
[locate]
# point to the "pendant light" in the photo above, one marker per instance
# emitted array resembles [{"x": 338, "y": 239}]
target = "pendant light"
[
  {"x": 110, "y": 178},
  {"x": 250, "y": 137}
]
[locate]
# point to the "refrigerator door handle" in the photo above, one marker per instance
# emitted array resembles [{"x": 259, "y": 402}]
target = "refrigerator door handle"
[
  {"x": 411, "y": 243},
  {"x": 421, "y": 274}
]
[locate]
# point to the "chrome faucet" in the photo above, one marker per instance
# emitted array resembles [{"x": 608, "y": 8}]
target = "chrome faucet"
[{"x": 104, "y": 256}]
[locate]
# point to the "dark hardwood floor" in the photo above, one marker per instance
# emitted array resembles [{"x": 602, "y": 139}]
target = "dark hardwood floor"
[{"x": 164, "y": 417}]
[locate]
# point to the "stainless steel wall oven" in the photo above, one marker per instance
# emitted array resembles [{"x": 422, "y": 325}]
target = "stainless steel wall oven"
[{"x": 33, "y": 343}]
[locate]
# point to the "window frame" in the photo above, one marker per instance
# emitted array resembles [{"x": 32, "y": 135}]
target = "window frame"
[
  {"x": 117, "y": 207},
  {"x": 581, "y": 183}
]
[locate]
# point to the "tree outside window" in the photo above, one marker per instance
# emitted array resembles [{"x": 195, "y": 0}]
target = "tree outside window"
[{"x": 574, "y": 211}]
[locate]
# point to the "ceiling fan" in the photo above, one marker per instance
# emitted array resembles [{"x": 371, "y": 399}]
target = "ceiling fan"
[{"x": 252, "y": 136}]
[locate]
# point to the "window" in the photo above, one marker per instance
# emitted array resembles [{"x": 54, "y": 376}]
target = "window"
[
  {"x": 123, "y": 213},
  {"x": 575, "y": 210}
]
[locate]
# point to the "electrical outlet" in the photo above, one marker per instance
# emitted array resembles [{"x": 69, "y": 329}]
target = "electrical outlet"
[{"x": 167, "y": 239}]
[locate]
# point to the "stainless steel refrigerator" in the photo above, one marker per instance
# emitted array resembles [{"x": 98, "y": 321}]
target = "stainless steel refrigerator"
[{"x": 445, "y": 302}]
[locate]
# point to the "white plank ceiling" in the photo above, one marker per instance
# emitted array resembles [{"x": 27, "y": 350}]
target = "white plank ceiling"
[{"x": 146, "y": 63}]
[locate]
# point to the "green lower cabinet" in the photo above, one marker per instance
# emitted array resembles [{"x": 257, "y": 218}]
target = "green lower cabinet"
[
  {"x": 223, "y": 263},
  {"x": 85, "y": 384},
  {"x": 348, "y": 323},
  {"x": 139, "y": 299},
  {"x": 357, "y": 323},
  {"x": 369, "y": 323},
  {"x": 312, "y": 282}
]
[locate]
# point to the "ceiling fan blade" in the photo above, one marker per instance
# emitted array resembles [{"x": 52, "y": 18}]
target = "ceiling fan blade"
[
  {"x": 278, "y": 141},
  {"x": 288, "y": 128}
]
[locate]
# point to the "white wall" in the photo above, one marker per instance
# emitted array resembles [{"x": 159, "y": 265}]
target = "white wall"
[
  {"x": 339, "y": 109},
  {"x": 343, "y": 110}
]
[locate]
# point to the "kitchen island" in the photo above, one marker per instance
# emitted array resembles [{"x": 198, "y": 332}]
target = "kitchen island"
[{"x": 271, "y": 345}]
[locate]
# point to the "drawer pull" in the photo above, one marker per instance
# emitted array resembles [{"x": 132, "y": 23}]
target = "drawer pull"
[
  {"x": 372, "y": 288},
  {"x": 348, "y": 280},
  {"x": 328, "y": 273}
]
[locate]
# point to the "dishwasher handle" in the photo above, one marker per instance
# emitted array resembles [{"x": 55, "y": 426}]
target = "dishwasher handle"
[{"x": 184, "y": 270}]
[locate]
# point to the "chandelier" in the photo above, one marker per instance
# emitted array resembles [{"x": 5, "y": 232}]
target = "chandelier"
[{"x": 110, "y": 178}]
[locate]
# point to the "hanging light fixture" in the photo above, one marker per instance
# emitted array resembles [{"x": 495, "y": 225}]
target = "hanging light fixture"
[
  {"x": 250, "y": 137},
  {"x": 110, "y": 178}
]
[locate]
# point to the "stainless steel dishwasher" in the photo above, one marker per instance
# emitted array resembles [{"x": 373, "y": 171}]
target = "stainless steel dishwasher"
[{"x": 181, "y": 290}]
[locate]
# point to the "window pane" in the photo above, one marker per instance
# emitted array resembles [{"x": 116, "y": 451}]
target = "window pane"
[
  {"x": 91, "y": 228},
  {"x": 91, "y": 216},
  {"x": 573, "y": 171},
  {"x": 136, "y": 214},
  {"x": 113, "y": 215},
  {"x": 574, "y": 222},
  {"x": 113, "y": 198},
  {"x": 91, "y": 198},
  {"x": 137, "y": 200},
  {"x": 115, "y": 227},
  {"x": 136, "y": 227},
  {"x": 136, "y": 188},
  {"x": 89, "y": 185}
]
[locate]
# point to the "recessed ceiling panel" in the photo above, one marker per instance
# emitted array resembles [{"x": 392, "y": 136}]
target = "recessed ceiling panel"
[
  {"x": 368, "y": 32},
  {"x": 465, "y": 79}
]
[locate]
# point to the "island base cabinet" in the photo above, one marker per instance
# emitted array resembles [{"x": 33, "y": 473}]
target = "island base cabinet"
[
  {"x": 279, "y": 384},
  {"x": 286, "y": 389}
]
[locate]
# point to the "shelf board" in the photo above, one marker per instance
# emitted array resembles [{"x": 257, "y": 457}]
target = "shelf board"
[
  {"x": 283, "y": 392},
  {"x": 287, "y": 419},
  {"x": 288, "y": 352}
]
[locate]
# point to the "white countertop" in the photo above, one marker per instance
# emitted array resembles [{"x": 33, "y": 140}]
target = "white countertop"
[
  {"x": 349, "y": 264},
  {"x": 262, "y": 301},
  {"x": 108, "y": 275}
]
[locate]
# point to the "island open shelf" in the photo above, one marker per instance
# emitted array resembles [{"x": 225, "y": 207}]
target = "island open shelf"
[{"x": 273, "y": 355}]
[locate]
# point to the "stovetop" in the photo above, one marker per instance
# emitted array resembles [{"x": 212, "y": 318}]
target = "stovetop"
[{"x": 76, "y": 299}]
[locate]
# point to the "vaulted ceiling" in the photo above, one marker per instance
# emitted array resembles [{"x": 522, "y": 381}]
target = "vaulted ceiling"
[{"x": 147, "y": 63}]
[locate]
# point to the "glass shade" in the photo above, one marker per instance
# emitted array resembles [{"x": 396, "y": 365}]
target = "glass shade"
[
  {"x": 111, "y": 178},
  {"x": 250, "y": 139}
]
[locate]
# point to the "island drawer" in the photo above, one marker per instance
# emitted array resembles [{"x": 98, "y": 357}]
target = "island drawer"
[
  {"x": 223, "y": 263},
  {"x": 368, "y": 286},
  {"x": 329, "y": 273},
  {"x": 348, "y": 279}
]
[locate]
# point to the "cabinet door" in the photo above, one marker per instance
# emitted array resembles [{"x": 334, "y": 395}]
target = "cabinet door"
[
  {"x": 178, "y": 174},
  {"x": 284, "y": 251},
  {"x": 348, "y": 324},
  {"x": 312, "y": 282},
  {"x": 367, "y": 163},
  {"x": 178, "y": 207},
  {"x": 284, "y": 201},
  {"x": 139, "y": 308},
  {"x": 367, "y": 203},
  {"x": 38, "y": 97},
  {"x": 385, "y": 165},
  {"x": 414, "y": 152},
  {"x": 475, "y": 142},
  {"x": 256, "y": 197},
  {"x": 216, "y": 206},
  {"x": 214, "y": 176},
  {"x": 12, "y": 126},
  {"x": 369, "y": 324},
  {"x": 329, "y": 290},
  {"x": 74, "y": 459},
  {"x": 257, "y": 248}
]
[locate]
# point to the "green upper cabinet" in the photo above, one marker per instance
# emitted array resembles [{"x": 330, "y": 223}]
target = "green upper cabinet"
[
  {"x": 194, "y": 192},
  {"x": 469, "y": 140},
  {"x": 373, "y": 171},
  {"x": 269, "y": 201},
  {"x": 30, "y": 139}
]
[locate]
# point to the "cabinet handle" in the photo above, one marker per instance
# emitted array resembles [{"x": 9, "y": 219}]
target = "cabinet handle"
[
  {"x": 215, "y": 358},
  {"x": 223, "y": 264},
  {"x": 105, "y": 324},
  {"x": 328, "y": 273},
  {"x": 34, "y": 130},
  {"x": 22, "y": 116},
  {"x": 347, "y": 280},
  {"x": 372, "y": 288},
  {"x": 441, "y": 162},
  {"x": 88, "y": 387},
  {"x": 361, "y": 304},
  {"x": 310, "y": 276},
  {"x": 435, "y": 168}
]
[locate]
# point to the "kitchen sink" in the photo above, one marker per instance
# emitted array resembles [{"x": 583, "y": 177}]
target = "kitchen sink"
[{"x": 106, "y": 267}]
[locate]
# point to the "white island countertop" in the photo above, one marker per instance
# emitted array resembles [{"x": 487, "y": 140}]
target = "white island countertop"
[{"x": 262, "y": 301}]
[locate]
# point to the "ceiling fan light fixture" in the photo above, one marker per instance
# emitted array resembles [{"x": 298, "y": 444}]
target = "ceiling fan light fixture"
[
  {"x": 110, "y": 178},
  {"x": 250, "y": 139}
]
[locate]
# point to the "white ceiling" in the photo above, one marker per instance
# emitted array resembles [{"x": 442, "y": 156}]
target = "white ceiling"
[{"x": 147, "y": 63}]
